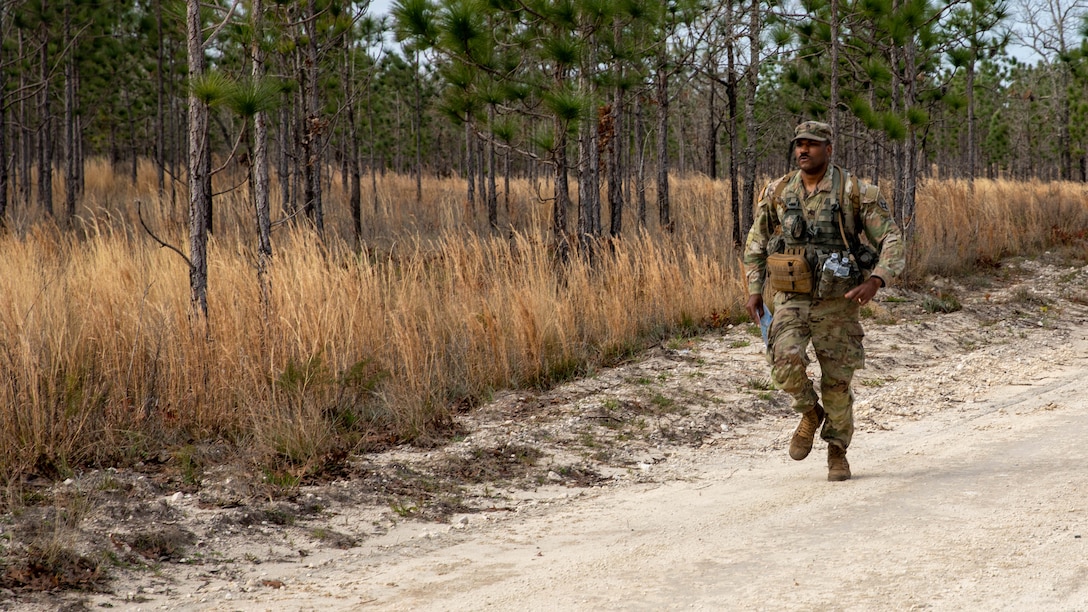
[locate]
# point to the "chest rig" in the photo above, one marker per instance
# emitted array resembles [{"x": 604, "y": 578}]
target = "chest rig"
[{"x": 824, "y": 231}]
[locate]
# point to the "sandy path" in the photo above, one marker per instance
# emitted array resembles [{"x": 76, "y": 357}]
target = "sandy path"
[{"x": 985, "y": 507}]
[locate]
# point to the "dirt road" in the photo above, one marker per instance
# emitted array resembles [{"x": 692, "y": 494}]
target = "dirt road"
[
  {"x": 665, "y": 484},
  {"x": 981, "y": 509}
]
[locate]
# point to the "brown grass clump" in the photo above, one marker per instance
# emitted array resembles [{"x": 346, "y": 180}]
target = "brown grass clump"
[
  {"x": 362, "y": 347},
  {"x": 958, "y": 230}
]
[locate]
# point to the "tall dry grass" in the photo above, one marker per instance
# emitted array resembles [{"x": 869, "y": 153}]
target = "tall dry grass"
[
  {"x": 360, "y": 347},
  {"x": 958, "y": 230}
]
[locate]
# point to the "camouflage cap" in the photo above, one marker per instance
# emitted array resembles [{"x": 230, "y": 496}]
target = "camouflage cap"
[{"x": 813, "y": 130}]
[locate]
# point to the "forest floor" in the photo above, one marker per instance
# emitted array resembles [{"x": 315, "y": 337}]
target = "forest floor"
[{"x": 661, "y": 483}]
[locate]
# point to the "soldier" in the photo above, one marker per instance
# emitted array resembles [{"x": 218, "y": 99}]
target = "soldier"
[{"x": 806, "y": 243}]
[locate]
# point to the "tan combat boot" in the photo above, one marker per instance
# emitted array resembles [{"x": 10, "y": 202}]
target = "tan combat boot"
[
  {"x": 801, "y": 444},
  {"x": 838, "y": 468}
]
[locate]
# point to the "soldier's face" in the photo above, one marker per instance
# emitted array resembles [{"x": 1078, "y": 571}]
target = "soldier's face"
[{"x": 812, "y": 155}]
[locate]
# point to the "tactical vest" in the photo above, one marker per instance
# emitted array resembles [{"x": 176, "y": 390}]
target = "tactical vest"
[{"x": 825, "y": 232}]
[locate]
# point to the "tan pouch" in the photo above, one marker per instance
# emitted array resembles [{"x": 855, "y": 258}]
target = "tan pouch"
[{"x": 790, "y": 271}]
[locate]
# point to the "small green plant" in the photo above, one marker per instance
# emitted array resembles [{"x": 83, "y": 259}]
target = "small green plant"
[
  {"x": 867, "y": 312},
  {"x": 610, "y": 404},
  {"x": 281, "y": 479},
  {"x": 873, "y": 382},
  {"x": 739, "y": 344},
  {"x": 1023, "y": 295},
  {"x": 662, "y": 402},
  {"x": 677, "y": 344},
  {"x": 945, "y": 303},
  {"x": 192, "y": 468},
  {"x": 402, "y": 509},
  {"x": 643, "y": 380},
  {"x": 765, "y": 396},
  {"x": 760, "y": 384},
  {"x": 587, "y": 439}
]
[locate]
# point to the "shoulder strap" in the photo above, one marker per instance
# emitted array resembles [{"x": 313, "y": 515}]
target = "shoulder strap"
[
  {"x": 849, "y": 239},
  {"x": 777, "y": 195}
]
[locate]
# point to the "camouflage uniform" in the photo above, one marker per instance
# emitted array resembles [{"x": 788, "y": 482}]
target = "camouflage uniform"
[{"x": 830, "y": 323}]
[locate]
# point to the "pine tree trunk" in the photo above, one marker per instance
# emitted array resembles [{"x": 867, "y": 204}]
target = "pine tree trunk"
[
  {"x": 160, "y": 113},
  {"x": 283, "y": 165},
  {"x": 418, "y": 120},
  {"x": 751, "y": 128},
  {"x": 312, "y": 134},
  {"x": 640, "y": 153},
  {"x": 354, "y": 179},
  {"x": 70, "y": 158},
  {"x": 712, "y": 127},
  {"x": 615, "y": 163},
  {"x": 45, "y": 130},
  {"x": 199, "y": 169},
  {"x": 734, "y": 138},
  {"x": 26, "y": 147},
  {"x": 834, "y": 93},
  {"x": 562, "y": 194},
  {"x": 470, "y": 167},
  {"x": 4, "y": 178},
  {"x": 662, "y": 94},
  {"x": 259, "y": 169},
  {"x": 371, "y": 157},
  {"x": 971, "y": 145},
  {"x": 492, "y": 197}
]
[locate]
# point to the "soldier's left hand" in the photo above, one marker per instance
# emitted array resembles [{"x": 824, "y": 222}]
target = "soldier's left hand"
[{"x": 864, "y": 292}]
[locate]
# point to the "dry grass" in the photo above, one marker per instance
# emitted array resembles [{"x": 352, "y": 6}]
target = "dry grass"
[{"x": 361, "y": 348}]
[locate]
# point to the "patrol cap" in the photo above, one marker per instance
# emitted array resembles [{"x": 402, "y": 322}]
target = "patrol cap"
[{"x": 813, "y": 130}]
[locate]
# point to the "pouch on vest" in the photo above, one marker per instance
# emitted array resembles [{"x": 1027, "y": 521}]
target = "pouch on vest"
[
  {"x": 832, "y": 285},
  {"x": 790, "y": 271}
]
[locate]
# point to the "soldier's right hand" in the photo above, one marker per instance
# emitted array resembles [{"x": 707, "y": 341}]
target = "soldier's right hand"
[{"x": 755, "y": 306}]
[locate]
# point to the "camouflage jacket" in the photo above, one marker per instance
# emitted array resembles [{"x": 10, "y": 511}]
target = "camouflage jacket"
[{"x": 862, "y": 201}]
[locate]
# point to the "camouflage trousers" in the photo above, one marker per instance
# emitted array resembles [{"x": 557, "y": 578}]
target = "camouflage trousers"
[{"x": 832, "y": 326}]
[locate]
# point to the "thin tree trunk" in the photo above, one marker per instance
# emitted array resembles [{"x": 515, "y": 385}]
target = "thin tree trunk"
[
  {"x": 615, "y": 156},
  {"x": 4, "y": 178},
  {"x": 25, "y": 136},
  {"x": 45, "y": 129},
  {"x": 371, "y": 162},
  {"x": 314, "y": 128},
  {"x": 662, "y": 93},
  {"x": 259, "y": 169},
  {"x": 971, "y": 160},
  {"x": 418, "y": 127},
  {"x": 734, "y": 135},
  {"x": 562, "y": 194},
  {"x": 71, "y": 153},
  {"x": 160, "y": 115},
  {"x": 133, "y": 151},
  {"x": 354, "y": 190},
  {"x": 834, "y": 94},
  {"x": 199, "y": 169},
  {"x": 712, "y": 128},
  {"x": 492, "y": 197},
  {"x": 470, "y": 167},
  {"x": 506, "y": 185},
  {"x": 640, "y": 153},
  {"x": 751, "y": 127}
]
